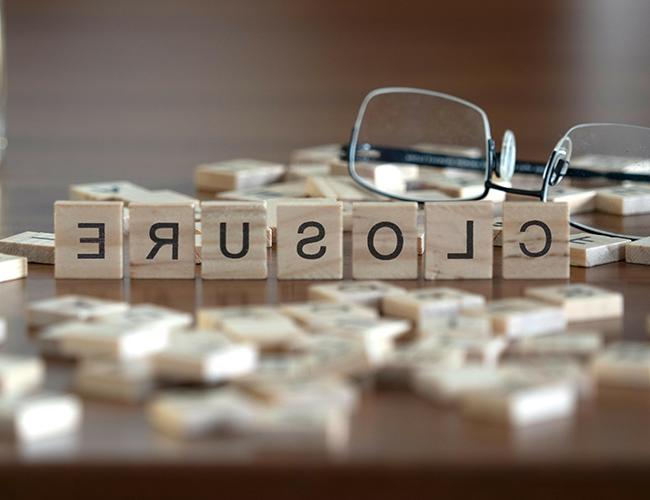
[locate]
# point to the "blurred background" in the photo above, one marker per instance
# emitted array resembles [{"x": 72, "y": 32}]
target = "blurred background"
[{"x": 145, "y": 90}]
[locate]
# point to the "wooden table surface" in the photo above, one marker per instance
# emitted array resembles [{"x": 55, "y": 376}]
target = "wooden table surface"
[{"x": 145, "y": 90}]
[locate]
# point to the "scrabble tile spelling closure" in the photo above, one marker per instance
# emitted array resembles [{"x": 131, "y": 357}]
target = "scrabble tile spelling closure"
[
  {"x": 384, "y": 240},
  {"x": 240, "y": 173},
  {"x": 310, "y": 241},
  {"x": 88, "y": 239},
  {"x": 638, "y": 252},
  {"x": 581, "y": 302},
  {"x": 589, "y": 250},
  {"x": 459, "y": 240},
  {"x": 161, "y": 240},
  {"x": 234, "y": 240},
  {"x": 624, "y": 200},
  {"x": 12, "y": 267},
  {"x": 535, "y": 240},
  {"x": 36, "y": 247}
]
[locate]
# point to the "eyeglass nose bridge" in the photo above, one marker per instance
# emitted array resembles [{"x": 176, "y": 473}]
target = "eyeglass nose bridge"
[{"x": 559, "y": 161}]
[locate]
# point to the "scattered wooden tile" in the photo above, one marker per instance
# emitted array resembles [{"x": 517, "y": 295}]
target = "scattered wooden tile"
[
  {"x": 240, "y": 173},
  {"x": 203, "y": 356},
  {"x": 384, "y": 240},
  {"x": 421, "y": 244},
  {"x": 516, "y": 318},
  {"x": 623, "y": 363},
  {"x": 114, "y": 380},
  {"x": 455, "y": 186},
  {"x": 535, "y": 240},
  {"x": 300, "y": 171},
  {"x": 69, "y": 307},
  {"x": 309, "y": 314},
  {"x": 629, "y": 199},
  {"x": 423, "y": 303},
  {"x": 341, "y": 355},
  {"x": 474, "y": 346},
  {"x": 638, "y": 252},
  {"x": 152, "y": 316},
  {"x": 40, "y": 416},
  {"x": 316, "y": 154},
  {"x": 310, "y": 241},
  {"x": 88, "y": 239},
  {"x": 458, "y": 325},
  {"x": 589, "y": 250},
  {"x": 107, "y": 191},
  {"x": 338, "y": 188},
  {"x": 445, "y": 384},
  {"x": 581, "y": 302},
  {"x": 12, "y": 267},
  {"x": 161, "y": 241},
  {"x": 36, "y": 247},
  {"x": 459, "y": 237},
  {"x": 20, "y": 374},
  {"x": 497, "y": 232},
  {"x": 235, "y": 240},
  {"x": 580, "y": 343},
  {"x": 580, "y": 200},
  {"x": 367, "y": 293}
]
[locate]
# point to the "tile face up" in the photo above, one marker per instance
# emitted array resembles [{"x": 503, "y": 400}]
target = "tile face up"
[
  {"x": 69, "y": 307},
  {"x": 581, "y": 302},
  {"x": 384, "y": 240},
  {"x": 88, "y": 240},
  {"x": 36, "y": 247},
  {"x": 638, "y": 252},
  {"x": 459, "y": 239},
  {"x": 426, "y": 303},
  {"x": 12, "y": 267},
  {"x": 623, "y": 363},
  {"x": 366, "y": 293},
  {"x": 161, "y": 240},
  {"x": 310, "y": 241},
  {"x": 589, "y": 250},
  {"x": 234, "y": 240},
  {"x": 535, "y": 240}
]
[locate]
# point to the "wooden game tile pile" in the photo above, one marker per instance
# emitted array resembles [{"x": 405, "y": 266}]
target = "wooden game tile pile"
[{"x": 294, "y": 374}]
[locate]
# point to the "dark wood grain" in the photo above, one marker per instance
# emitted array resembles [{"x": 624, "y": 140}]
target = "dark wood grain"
[{"x": 146, "y": 90}]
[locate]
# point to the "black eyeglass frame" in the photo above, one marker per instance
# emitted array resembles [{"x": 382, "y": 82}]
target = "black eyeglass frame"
[{"x": 552, "y": 172}]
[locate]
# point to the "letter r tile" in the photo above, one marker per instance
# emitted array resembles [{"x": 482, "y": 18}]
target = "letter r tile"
[
  {"x": 535, "y": 240},
  {"x": 384, "y": 240},
  {"x": 459, "y": 239},
  {"x": 310, "y": 240},
  {"x": 88, "y": 240}
]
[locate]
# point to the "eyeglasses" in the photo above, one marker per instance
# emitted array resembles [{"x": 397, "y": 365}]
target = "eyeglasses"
[{"x": 418, "y": 145}]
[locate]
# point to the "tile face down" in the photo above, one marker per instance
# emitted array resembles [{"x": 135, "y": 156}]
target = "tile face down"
[
  {"x": 161, "y": 240},
  {"x": 310, "y": 240},
  {"x": 240, "y": 173},
  {"x": 459, "y": 239},
  {"x": 36, "y": 247},
  {"x": 384, "y": 240},
  {"x": 589, "y": 250},
  {"x": 624, "y": 200},
  {"x": 638, "y": 252},
  {"x": 88, "y": 240},
  {"x": 535, "y": 240},
  {"x": 234, "y": 238}
]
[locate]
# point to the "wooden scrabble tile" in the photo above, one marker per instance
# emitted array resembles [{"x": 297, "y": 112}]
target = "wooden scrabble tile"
[
  {"x": 291, "y": 190},
  {"x": 117, "y": 340},
  {"x": 497, "y": 232},
  {"x": 459, "y": 240},
  {"x": 338, "y": 188},
  {"x": 520, "y": 403},
  {"x": 151, "y": 316},
  {"x": 366, "y": 293},
  {"x": 42, "y": 416},
  {"x": 456, "y": 185},
  {"x": 341, "y": 355},
  {"x": 204, "y": 356},
  {"x": 535, "y": 240},
  {"x": 623, "y": 363},
  {"x": 107, "y": 191},
  {"x": 265, "y": 327},
  {"x": 581, "y": 302},
  {"x": 589, "y": 250},
  {"x": 240, "y": 173},
  {"x": 12, "y": 267},
  {"x": 629, "y": 199},
  {"x": 111, "y": 380},
  {"x": 161, "y": 241},
  {"x": 458, "y": 325},
  {"x": 384, "y": 240},
  {"x": 20, "y": 374},
  {"x": 309, "y": 314},
  {"x": 580, "y": 343},
  {"x": 423, "y": 303},
  {"x": 638, "y": 252},
  {"x": 300, "y": 171},
  {"x": 35, "y": 247},
  {"x": 446, "y": 384},
  {"x": 88, "y": 239},
  {"x": 421, "y": 244},
  {"x": 234, "y": 240},
  {"x": 580, "y": 200},
  {"x": 316, "y": 154},
  {"x": 310, "y": 241},
  {"x": 517, "y": 317},
  {"x": 69, "y": 307}
]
